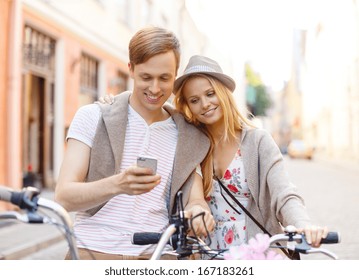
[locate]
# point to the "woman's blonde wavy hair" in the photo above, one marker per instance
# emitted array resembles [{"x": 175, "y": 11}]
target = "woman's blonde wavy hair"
[{"x": 232, "y": 118}]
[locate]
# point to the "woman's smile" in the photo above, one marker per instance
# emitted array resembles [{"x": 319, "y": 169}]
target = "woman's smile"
[{"x": 210, "y": 112}]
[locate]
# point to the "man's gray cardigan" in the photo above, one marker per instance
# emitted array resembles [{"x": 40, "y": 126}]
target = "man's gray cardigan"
[{"x": 107, "y": 149}]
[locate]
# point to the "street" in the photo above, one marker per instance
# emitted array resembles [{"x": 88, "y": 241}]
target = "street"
[{"x": 331, "y": 193}]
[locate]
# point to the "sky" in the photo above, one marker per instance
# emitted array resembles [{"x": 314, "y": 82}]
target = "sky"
[{"x": 259, "y": 31}]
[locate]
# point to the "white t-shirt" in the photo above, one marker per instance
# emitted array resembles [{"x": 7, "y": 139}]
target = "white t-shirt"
[{"x": 111, "y": 228}]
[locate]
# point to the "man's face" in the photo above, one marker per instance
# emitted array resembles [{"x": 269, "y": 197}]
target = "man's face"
[{"x": 153, "y": 83}]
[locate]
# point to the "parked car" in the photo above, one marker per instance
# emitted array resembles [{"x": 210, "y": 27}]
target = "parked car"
[{"x": 299, "y": 149}]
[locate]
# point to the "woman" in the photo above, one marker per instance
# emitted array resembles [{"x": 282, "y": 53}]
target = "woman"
[{"x": 243, "y": 159}]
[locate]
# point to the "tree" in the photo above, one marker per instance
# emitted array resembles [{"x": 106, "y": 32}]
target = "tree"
[{"x": 257, "y": 97}]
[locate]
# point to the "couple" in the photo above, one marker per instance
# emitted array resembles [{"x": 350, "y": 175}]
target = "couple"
[{"x": 205, "y": 138}]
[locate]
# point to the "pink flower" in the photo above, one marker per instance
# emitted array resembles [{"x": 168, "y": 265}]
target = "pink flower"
[
  {"x": 227, "y": 175},
  {"x": 232, "y": 188},
  {"x": 233, "y": 253},
  {"x": 256, "y": 249},
  {"x": 260, "y": 243},
  {"x": 271, "y": 255},
  {"x": 228, "y": 238}
]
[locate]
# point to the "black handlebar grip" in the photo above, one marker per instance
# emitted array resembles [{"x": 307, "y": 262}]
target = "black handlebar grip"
[
  {"x": 146, "y": 238},
  {"x": 25, "y": 199},
  {"x": 332, "y": 238}
]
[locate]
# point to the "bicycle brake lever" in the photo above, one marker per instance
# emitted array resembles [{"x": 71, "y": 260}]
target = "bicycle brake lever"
[
  {"x": 303, "y": 247},
  {"x": 323, "y": 251}
]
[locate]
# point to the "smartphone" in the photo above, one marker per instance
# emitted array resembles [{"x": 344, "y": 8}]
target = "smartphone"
[{"x": 148, "y": 162}]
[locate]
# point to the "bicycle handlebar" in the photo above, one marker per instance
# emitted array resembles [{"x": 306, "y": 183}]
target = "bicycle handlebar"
[
  {"x": 28, "y": 199},
  {"x": 302, "y": 246},
  {"x": 290, "y": 234},
  {"x": 25, "y": 199},
  {"x": 147, "y": 238},
  {"x": 333, "y": 237}
]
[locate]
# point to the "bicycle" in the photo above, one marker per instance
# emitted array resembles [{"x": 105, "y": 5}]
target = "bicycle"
[
  {"x": 176, "y": 233},
  {"x": 29, "y": 201},
  {"x": 185, "y": 245}
]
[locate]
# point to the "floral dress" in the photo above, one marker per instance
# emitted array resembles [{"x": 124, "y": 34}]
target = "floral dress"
[{"x": 230, "y": 226}]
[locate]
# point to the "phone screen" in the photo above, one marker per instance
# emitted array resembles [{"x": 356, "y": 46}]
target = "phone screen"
[{"x": 147, "y": 162}]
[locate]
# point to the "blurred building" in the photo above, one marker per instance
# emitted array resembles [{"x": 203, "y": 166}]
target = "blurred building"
[
  {"x": 56, "y": 55},
  {"x": 287, "y": 112},
  {"x": 323, "y": 92},
  {"x": 330, "y": 84}
]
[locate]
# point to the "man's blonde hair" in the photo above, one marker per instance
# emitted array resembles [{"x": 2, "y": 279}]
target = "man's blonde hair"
[{"x": 151, "y": 41}]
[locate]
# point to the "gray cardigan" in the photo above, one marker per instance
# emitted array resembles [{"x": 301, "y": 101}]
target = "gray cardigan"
[
  {"x": 273, "y": 197},
  {"x": 107, "y": 149}
]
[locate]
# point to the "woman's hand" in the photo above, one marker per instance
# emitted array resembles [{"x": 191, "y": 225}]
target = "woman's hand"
[
  {"x": 196, "y": 205},
  {"x": 314, "y": 234},
  {"x": 201, "y": 222},
  {"x": 107, "y": 99}
]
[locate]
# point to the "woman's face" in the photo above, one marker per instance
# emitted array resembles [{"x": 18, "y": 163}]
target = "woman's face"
[{"x": 202, "y": 100}]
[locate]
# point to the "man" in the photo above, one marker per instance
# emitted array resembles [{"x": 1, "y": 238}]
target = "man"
[{"x": 99, "y": 179}]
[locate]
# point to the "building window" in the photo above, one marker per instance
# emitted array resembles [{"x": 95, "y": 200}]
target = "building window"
[
  {"x": 118, "y": 84},
  {"x": 89, "y": 78},
  {"x": 38, "y": 50}
]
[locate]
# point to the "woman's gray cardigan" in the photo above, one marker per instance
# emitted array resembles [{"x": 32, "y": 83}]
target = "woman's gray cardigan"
[{"x": 273, "y": 197}]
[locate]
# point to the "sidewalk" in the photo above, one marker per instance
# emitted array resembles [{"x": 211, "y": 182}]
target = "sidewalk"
[{"x": 19, "y": 240}]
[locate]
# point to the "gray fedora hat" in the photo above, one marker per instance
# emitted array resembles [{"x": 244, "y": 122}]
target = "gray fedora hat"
[{"x": 203, "y": 65}]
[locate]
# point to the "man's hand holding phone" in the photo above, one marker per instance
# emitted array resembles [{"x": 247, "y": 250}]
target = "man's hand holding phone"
[{"x": 138, "y": 179}]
